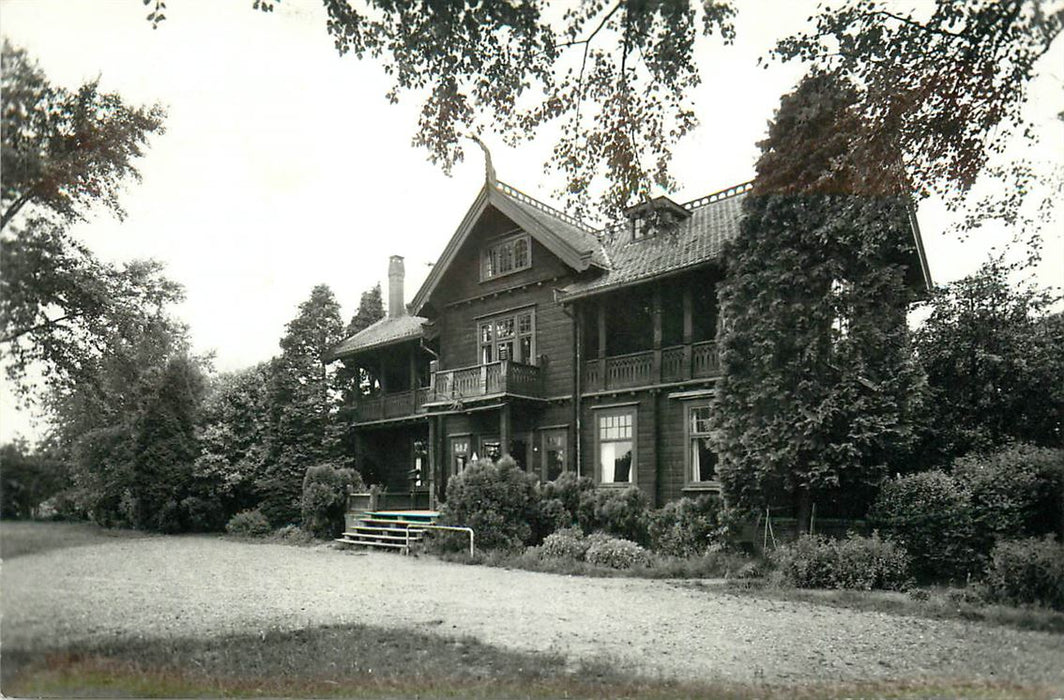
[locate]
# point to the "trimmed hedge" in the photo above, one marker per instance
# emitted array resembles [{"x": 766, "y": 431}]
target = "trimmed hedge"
[
  {"x": 687, "y": 527},
  {"x": 857, "y": 562},
  {"x": 930, "y": 515},
  {"x": 1029, "y": 571},
  {"x": 249, "y": 523}
]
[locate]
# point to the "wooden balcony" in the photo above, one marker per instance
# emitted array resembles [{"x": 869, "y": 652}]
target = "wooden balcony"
[
  {"x": 450, "y": 385},
  {"x": 505, "y": 377},
  {"x": 651, "y": 367},
  {"x": 401, "y": 404}
]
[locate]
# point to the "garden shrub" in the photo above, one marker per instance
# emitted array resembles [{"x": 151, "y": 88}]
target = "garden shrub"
[
  {"x": 687, "y": 527},
  {"x": 568, "y": 543},
  {"x": 568, "y": 488},
  {"x": 1027, "y": 571},
  {"x": 293, "y": 534},
  {"x": 622, "y": 513},
  {"x": 324, "y": 498},
  {"x": 203, "y": 514},
  {"x": 499, "y": 501},
  {"x": 1017, "y": 491},
  {"x": 249, "y": 523},
  {"x": 614, "y": 552},
  {"x": 857, "y": 562},
  {"x": 930, "y": 515}
]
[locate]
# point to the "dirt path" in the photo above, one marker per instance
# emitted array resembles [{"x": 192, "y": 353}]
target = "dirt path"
[{"x": 183, "y": 586}]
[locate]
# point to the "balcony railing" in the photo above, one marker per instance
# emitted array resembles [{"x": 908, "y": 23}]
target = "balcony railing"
[
  {"x": 647, "y": 368},
  {"x": 496, "y": 378},
  {"x": 503, "y": 377}
]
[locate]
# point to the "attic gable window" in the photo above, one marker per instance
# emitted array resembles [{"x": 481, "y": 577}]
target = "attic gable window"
[{"x": 504, "y": 257}]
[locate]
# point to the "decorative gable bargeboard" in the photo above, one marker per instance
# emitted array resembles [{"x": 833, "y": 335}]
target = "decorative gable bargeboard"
[{"x": 569, "y": 349}]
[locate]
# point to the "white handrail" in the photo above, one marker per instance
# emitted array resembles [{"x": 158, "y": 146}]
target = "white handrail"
[{"x": 443, "y": 527}]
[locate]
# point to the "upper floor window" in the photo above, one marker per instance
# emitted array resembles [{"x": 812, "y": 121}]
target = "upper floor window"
[
  {"x": 506, "y": 256},
  {"x": 509, "y": 337}
]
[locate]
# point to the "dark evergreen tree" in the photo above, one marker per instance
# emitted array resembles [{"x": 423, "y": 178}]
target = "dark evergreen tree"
[
  {"x": 370, "y": 310},
  {"x": 819, "y": 393},
  {"x": 303, "y": 398}
]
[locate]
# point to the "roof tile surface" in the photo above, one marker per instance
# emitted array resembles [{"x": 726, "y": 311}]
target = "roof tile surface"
[{"x": 386, "y": 331}]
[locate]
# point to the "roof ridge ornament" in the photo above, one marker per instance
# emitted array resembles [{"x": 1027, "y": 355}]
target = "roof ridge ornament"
[{"x": 489, "y": 168}]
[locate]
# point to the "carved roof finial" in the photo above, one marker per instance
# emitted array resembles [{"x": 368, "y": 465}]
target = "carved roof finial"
[{"x": 489, "y": 169}]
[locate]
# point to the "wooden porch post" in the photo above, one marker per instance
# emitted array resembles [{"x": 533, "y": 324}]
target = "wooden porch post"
[
  {"x": 433, "y": 458},
  {"x": 688, "y": 330},
  {"x": 655, "y": 369},
  {"x": 504, "y": 429},
  {"x": 601, "y": 308}
]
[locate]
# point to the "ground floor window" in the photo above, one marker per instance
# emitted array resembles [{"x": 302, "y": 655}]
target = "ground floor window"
[
  {"x": 459, "y": 454},
  {"x": 615, "y": 445},
  {"x": 701, "y": 459},
  {"x": 554, "y": 453}
]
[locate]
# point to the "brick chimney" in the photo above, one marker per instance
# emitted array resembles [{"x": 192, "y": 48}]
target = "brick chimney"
[{"x": 396, "y": 307}]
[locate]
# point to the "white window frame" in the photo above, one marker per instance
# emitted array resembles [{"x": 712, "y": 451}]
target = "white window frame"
[
  {"x": 501, "y": 258},
  {"x": 612, "y": 434},
  {"x": 489, "y": 340},
  {"x": 692, "y": 433}
]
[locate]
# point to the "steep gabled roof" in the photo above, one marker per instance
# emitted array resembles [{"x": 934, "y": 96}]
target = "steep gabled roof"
[
  {"x": 388, "y": 330},
  {"x": 573, "y": 242},
  {"x": 713, "y": 220}
]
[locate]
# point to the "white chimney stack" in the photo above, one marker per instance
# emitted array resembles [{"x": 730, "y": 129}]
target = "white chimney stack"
[{"x": 396, "y": 307}]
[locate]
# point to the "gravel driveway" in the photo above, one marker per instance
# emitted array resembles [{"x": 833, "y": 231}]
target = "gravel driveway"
[{"x": 186, "y": 586}]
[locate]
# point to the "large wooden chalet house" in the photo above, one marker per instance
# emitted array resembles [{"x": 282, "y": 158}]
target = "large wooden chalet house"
[{"x": 569, "y": 349}]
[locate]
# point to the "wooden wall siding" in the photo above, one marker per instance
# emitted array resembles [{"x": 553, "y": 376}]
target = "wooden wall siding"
[
  {"x": 459, "y": 346},
  {"x": 462, "y": 279},
  {"x": 673, "y": 448},
  {"x": 646, "y": 467}
]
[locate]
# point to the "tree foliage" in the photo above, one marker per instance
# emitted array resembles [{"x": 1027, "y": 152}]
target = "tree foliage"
[
  {"x": 370, "y": 310},
  {"x": 302, "y": 398},
  {"x": 944, "y": 83},
  {"x": 819, "y": 393},
  {"x": 994, "y": 358},
  {"x": 63, "y": 153},
  {"x": 66, "y": 151}
]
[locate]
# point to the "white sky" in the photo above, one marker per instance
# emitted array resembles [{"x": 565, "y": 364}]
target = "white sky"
[{"x": 283, "y": 166}]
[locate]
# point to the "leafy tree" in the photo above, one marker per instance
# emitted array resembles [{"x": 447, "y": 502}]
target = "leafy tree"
[
  {"x": 944, "y": 83},
  {"x": 370, "y": 310},
  {"x": 994, "y": 358},
  {"x": 234, "y": 437},
  {"x": 28, "y": 480},
  {"x": 65, "y": 151},
  {"x": 819, "y": 393},
  {"x": 302, "y": 400}
]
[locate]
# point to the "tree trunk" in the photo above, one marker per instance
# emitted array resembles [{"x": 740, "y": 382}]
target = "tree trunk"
[{"x": 803, "y": 510}]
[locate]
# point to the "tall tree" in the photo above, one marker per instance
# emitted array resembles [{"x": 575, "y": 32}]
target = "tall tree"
[
  {"x": 370, "y": 310},
  {"x": 303, "y": 399},
  {"x": 819, "y": 392},
  {"x": 994, "y": 356},
  {"x": 65, "y": 151},
  {"x": 945, "y": 82}
]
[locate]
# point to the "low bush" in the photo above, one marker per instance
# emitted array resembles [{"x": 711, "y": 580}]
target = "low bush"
[
  {"x": 615, "y": 553},
  {"x": 569, "y": 543},
  {"x": 1017, "y": 491},
  {"x": 499, "y": 501},
  {"x": 687, "y": 527},
  {"x": 249, "y": 523},
  {"x": 1028, "y": 571},
  {"x": 324, "y": 499},
  {"x": 930, "y": 515},
  {"x": 857, "y": 562},
  {"x": 292, "y": 534},
  {"x": 203, "y": 514},
  {"x": 622, "y": 513}
]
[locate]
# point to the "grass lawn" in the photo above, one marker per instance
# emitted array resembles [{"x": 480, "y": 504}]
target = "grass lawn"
[
  {"x": 357, "y": 661},
  {"x": 19, "y": 537}
]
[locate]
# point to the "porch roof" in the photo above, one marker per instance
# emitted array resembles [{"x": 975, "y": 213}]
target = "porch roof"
[{"x": 387, "y": 331}]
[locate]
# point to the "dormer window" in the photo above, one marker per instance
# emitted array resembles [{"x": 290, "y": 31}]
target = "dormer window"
[
  {"x": 506, "y": 256},
  {"x": 652, "y": 216}
]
